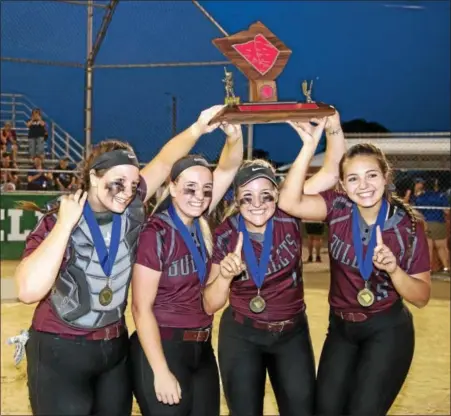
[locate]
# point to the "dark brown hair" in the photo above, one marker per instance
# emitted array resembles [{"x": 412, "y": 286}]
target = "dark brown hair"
[
  {"x": 368, "y": 149},
  {"x": 85, "y": 167}
]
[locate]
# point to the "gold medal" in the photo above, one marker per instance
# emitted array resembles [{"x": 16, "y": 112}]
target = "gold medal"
[
  {"x": 257, "y": 304},
  {"x": 105, "y": 296},
  {"x": 365, "y": 297}
]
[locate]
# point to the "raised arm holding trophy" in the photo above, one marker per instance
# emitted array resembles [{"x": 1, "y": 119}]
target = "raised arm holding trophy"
[{"x": 261, "y": 57}]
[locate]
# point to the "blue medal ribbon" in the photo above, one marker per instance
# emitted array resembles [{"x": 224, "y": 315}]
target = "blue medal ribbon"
[
  {"x": 257, "y": 270},
  {"x": 106, "y": 257},
  {"x": 366, "y": 264},
  {"x": 199, "y": 258}
]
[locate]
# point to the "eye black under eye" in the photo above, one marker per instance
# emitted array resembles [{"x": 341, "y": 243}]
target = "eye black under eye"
[
  {"x": 189, "y": 191},
  {"x": 245, "y": 200},
  {"x": 115, "y": 187},
  {"x": 208, "y": 193},
  {"x": 267, "y": 197}
]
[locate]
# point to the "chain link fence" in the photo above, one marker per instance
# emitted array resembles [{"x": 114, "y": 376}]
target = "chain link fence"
[
  {"x": 141, "y": 97},
  {"x": 146, "y": 97}
]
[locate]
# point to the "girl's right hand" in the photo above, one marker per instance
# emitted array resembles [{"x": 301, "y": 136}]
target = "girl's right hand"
[
  {"x": 232, "y": 265},
  {"x": 71, "y": 209},
  {"x": 202, "y": 124},
  {"x": 167, "y": 388},
  {"x": 309, "y": 134}
]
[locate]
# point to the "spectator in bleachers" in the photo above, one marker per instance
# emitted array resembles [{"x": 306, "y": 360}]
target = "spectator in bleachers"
[
  {"x": 435, "y": 218},
  {"x": 38, "y": 179},
  {"x": 37, "y": 134},
  {"x": 9, "y": 140},
  {"x": 64, "y": 181},
  {"x": 9, "y": 178}
]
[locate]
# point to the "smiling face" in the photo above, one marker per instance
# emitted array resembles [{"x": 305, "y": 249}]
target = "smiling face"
[
  {"x": 115, "y": 189},
  {"x": 257, "y": 203},
  {"x": 363, "y": 180},
  {"x": 192, "y": 191}
]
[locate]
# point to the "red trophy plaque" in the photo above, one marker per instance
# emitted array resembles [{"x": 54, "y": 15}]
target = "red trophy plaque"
[{"x": 261, "y": 57}]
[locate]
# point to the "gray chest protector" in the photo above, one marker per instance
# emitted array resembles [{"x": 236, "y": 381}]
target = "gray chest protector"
[{"x": 75, "y": 296}]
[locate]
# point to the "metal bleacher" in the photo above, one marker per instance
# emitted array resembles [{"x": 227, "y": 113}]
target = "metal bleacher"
[{"x": 17, "y": 108}]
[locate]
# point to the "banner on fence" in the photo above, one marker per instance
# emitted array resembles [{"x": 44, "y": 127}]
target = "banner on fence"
[{"x": 16, "y": 224}]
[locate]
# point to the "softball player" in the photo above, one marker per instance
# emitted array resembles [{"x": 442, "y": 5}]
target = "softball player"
[
  {"x": 265, "y": 328},
  {"x": 77, "y": 264},
  {"x": 378, "y": 257},
  {"x": 174, "y": 367}
]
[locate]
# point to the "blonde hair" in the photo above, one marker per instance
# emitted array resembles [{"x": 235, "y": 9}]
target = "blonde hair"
[
  {"x": 233, "y": 208},
  {"x": 163, "y": 203}
]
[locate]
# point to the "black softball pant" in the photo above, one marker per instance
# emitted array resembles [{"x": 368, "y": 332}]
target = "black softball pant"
[
  {"x": 193, "y": 365},
  {"x": 363, "y": 365},
  {"x": 246, "y": 353},
  {"x": 77, "y": 376}
]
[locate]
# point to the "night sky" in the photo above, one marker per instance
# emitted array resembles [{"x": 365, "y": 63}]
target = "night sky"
[{"x": 382, "y": 61}]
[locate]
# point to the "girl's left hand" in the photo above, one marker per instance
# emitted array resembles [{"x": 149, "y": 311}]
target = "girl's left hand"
[
  {"x": 233, "y": 131},
  {"x": 383, "y": 257}
]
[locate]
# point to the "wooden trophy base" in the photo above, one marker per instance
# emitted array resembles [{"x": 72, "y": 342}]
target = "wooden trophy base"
[{"x": 272, "y": 112}]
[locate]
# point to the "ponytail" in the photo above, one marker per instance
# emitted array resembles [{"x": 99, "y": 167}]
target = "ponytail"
[
  {"x": 206, "y": 234},
  {"x": 163, "y": 202},
  {"x": 414, "y": 216},
  {"x": 231, "y": 210},
  {"x": 33, "y": 207}
]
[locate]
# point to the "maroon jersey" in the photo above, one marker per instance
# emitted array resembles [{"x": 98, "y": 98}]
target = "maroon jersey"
[
  {"x": 282, "y": 287},
  {"x": 178, "y": 303},
  {"x": 45, "y": 319},
  {"x": 346, "y": 280}
]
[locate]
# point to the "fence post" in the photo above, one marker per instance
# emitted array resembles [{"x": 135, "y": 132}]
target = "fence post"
[{"x": 53, "y": 139}]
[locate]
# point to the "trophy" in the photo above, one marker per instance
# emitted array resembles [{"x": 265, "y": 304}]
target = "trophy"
[
  {"x": 261, "y": 57},
  {"x": 231, "y": 98}
]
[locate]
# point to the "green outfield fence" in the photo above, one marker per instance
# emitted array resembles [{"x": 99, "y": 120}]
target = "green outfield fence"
[{"x": 17, "y": 223}]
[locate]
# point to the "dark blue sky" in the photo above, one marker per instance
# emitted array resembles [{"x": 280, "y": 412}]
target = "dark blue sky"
[{"x": 383, "y": 61}]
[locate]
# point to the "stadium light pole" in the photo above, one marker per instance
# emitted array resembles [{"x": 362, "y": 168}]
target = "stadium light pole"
[
  {"x": 173, "y": 113},
  {"x": 93, "y": 48},
  {"x": 88, "y": 80}
]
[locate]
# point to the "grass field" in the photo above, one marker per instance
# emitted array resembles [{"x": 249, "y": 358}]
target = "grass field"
[{"x": 426, "y": 391}]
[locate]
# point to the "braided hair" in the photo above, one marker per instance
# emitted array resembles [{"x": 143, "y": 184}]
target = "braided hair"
[{"x": 368, "y": 149}]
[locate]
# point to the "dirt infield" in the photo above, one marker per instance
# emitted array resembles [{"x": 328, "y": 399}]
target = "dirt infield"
[{"x": 427, "y": 389}]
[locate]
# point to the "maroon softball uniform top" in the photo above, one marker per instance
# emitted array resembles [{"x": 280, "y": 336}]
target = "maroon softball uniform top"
[
  {"x": 178, "y": 303},
  {"x": 45, "y": 319},
  {"x": 282, "y": 287},
  {"x": 346, "y": 280}
]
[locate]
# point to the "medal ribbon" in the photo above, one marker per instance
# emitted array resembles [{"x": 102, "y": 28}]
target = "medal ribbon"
[
  {"x": 257, "y": 270},
  {"x": 199, "y": 258},
  {"x": 366, "y": 264},
  {"x": 106, "y": 259}
]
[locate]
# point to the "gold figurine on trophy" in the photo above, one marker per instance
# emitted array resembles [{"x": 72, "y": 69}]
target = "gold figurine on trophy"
[
  {"x": 230, "y": 98},
  {"x": 307, "y": 91}
]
